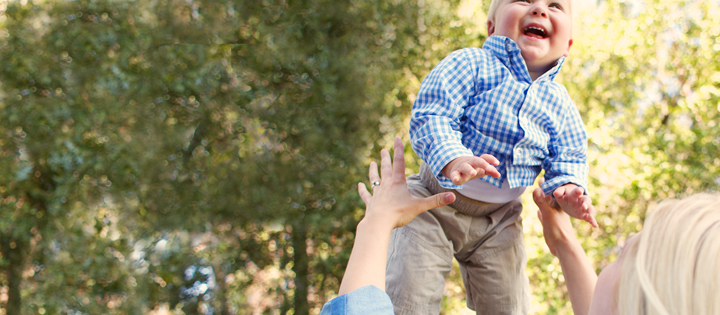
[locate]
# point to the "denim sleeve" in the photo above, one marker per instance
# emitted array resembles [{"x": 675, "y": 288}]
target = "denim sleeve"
[{"x": 368, "y": 300}]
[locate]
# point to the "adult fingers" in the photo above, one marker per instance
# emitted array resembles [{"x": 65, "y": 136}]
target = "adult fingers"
[
  {"x": 399, "y": 160},
  {"x": 385, "y": 165},
  {"x": 373, "y": 173},
  {"x": 435, "y": 201},
  {"x": 542, "y": 201},
  {"x": 364, "y": 194},
  {"x": 539, "y": 214}
]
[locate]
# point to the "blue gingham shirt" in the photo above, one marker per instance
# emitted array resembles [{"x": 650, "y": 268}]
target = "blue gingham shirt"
[{"x": 479, "y": 101}]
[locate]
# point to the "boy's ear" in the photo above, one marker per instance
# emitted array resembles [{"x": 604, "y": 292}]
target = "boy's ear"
[
  {"x": 567, "y": 52},
  {"x": 491, "y": 28}
]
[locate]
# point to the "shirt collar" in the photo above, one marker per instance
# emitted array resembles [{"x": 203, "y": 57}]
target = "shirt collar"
[{"x": 509, "y": 54}]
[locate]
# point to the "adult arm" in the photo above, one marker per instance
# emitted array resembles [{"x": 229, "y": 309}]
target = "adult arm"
[
  {"x": 559, "y": 235},
  {"x": 390, "y": 205}
]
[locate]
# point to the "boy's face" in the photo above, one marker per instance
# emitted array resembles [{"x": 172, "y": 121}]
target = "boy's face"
[{"x": 541, "y": 28}]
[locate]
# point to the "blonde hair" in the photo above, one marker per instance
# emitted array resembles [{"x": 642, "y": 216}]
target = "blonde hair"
[
  {"x": 492, "y": 9},
  {"x": 495, "y": 3},
  {"x": 674, "y": 266}
]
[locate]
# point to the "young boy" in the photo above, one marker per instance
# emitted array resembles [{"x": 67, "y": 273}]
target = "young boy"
[{"x": 486, "y": 122}]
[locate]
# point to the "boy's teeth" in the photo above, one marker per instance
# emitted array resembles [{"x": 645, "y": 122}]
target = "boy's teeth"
[{"x": 535, "y": 30}]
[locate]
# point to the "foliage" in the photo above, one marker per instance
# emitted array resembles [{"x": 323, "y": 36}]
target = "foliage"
[
  {"x": 644, "y": 76},
  {"x": 201, "y": 156}
]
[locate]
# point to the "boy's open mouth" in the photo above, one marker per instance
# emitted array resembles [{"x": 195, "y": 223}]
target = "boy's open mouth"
[{"x": 534, "y": 31}]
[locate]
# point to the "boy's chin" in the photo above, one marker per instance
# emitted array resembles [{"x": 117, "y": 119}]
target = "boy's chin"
[{"x": 539, "y": 63}]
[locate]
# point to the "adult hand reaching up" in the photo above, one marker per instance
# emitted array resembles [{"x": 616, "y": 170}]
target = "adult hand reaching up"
[
  {"x": 389, "y": 206},
  {"x": 562, "y": 242},
  {"x": 391, "y": 203}
]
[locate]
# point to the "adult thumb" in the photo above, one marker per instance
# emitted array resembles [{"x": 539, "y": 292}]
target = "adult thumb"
[
  {"x": 540, "y": 200},
  {"x": 436, "y": 201}
]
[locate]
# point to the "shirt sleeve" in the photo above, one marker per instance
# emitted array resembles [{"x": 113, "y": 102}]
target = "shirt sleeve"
[
  {"x": 368, "y": 300},
  {"x": 567, "y": 161},
  {"x": 435, "y": 129}
]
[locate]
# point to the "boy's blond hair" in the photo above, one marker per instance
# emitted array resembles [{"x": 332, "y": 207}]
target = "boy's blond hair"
[
  {"x": 674, "y": 267},
  {"x": 492, "y": 9},
  {"x": 494, "y": 5}
]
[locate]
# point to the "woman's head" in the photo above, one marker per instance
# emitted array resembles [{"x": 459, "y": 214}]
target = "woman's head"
[{"x": 673, "y": 265}]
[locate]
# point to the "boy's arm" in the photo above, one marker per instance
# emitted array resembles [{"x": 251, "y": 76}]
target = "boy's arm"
[
  {"x": 567, "y": 159},
  {"x": 566, "y": 168},
  {"x": 440, "y": 105}
]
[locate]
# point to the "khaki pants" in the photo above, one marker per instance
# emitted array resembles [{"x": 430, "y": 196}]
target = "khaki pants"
[{"x": 486, "y": 239}]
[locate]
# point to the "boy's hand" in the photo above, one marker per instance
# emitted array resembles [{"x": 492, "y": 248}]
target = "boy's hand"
[
  {"x": 466, "y": 168},
  {"x": 570, "y": 198}
]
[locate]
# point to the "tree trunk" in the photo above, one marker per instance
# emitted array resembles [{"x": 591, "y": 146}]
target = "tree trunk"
[
  {"x": 12, "y": 251},
  {"x": 300, "y": 267},
  {"x": 221, "y": 289}
]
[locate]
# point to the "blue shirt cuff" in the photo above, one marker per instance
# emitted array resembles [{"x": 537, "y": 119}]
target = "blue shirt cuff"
[
  {"x": 368, "y": 300},
  {"x": 550, "y": 185}
]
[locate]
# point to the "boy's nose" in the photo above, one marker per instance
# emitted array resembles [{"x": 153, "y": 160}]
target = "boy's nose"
[{"x": 538, "y": 10}]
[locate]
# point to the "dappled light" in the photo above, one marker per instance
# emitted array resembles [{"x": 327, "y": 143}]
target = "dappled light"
[{"x": 201, "y": 157}]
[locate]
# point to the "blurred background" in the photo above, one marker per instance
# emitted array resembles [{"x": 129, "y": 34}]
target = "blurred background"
[{"x": 201, "y": 157}]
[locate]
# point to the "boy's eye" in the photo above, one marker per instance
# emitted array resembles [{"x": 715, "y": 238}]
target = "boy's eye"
[{"x": 556, "y": 5}]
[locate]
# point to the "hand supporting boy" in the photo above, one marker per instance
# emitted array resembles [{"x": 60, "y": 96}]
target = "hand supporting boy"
[
  {"x": 466, "y": 168},
  {"x": 570, "y": 198}
]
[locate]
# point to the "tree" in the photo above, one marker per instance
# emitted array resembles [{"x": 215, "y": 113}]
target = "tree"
[
  {"x": 642, "y": 77},
  {"x": 129, "y": 125}
]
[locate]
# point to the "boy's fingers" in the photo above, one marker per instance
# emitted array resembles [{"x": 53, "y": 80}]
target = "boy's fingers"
[
  {"x": 485, "y": 166},
  {"x": 467, "y": 170},
  {"x": 479, "y": 163},
  {"x": 464, "y": 173},
  {"x": 590, "y": 219},
  {"x": 364, "y": 194},
  {"x": 591, "y": 210},
  {"x": 492, "y": 171},
  {"x": 490, "y": 159},
  {"x": 577, "y": 192}
]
